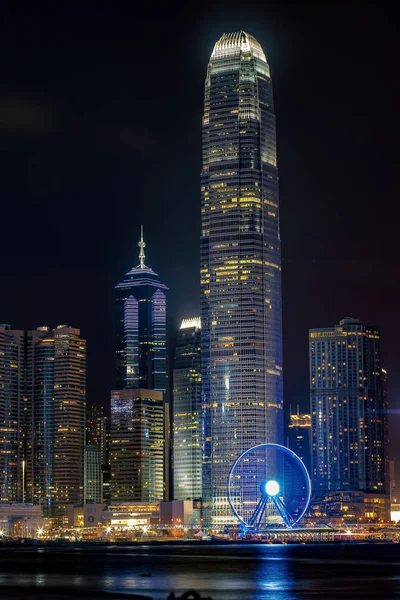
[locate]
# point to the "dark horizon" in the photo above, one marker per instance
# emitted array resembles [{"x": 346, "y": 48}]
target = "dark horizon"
[{"x": 100, "y": 131}]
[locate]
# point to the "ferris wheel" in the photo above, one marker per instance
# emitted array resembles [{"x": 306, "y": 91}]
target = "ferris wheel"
[{"x": 268, "y": 486}]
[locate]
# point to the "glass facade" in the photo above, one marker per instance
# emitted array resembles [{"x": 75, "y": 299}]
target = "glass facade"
[
  {"x": 240, "y": 268},
  {"x": 12, "y": 387},
  {"x": 98, "y": 434},
  {"x": 299, "y": 437},
  {"x": 139, "y": 437},
  {"x": 348, "y": 398},
  {"x": 187, "y": 457},
  {"x": 56, "y": 395},
  {"x": 93, "y": 474},
  {"x": 95, "y": 425},
  {"x": 137, "y": 445},
  {"x": 141, "y": 356}
]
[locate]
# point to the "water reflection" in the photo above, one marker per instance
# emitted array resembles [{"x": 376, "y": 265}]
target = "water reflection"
[
  {"x": 108, "y": 582},
  {"x": 223, "y": 572},
  {"x": 40, "y": 579}
]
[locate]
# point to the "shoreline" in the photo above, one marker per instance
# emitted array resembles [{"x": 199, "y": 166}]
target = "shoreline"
[{"x": 103, "y": 544}]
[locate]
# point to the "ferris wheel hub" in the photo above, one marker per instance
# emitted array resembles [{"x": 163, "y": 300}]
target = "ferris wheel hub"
[{"x": 272, "y": 488}]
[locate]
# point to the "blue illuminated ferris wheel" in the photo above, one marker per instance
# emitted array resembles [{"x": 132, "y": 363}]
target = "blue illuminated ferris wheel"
[{"x": 268, "y": 486}]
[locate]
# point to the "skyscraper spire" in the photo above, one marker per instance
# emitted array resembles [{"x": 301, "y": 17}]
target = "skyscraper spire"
[
  {"x": 141, "y": 245},
  {"x": 140, "y": 349}
]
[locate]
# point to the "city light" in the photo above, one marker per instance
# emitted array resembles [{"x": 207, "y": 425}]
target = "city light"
[
  {"x": 66, "y": 477},
  {"x": 225, "y": 333},
  {"x": 272, "y": 488}
]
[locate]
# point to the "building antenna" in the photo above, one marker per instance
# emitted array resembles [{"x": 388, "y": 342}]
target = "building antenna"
[{"x": 141, "y": 245}]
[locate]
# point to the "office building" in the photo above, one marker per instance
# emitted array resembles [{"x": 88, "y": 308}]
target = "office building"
[
  {"x": 138, "y": 442},
  {"x": 349, "y": 443},
  {"x": 93, "y": 475},
  {"x": 392, "y": 479},
  {"x": 141, "y": 357},
  {"x": 299, "y": 437},
  {"x": 56, "y": 395},
  {"x": 106, "y": 459},
  {"x": 240, "y": 265},
  {"x": 385, "y": 414},
  {"x": 187, "y": 455},
  {"x": 12, "y": 414},
  {"x": 344, "y": 508},
  {"x": 95, "y": 425},
  {"x": 98, "y": 434}
]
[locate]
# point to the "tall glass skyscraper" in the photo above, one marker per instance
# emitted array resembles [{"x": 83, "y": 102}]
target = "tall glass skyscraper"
[
  {"x": 187, "y": 458},
  {"x": 56, "y": 396},
  {"x": 348, "y": 409},
  {"x": 140, "y": 429},
  {"x": 12, "y": 392},
  {"x": 240, "y": 264},
  {"x": 141, "y": 329},
  {"x": 42, "y": 416}
]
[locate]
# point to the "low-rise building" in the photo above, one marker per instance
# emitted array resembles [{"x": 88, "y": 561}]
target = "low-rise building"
[
  {"x": 131, "y": 514},
  {"x": 93, "y": 514},
  {"x": 342, "y": 507},
  {"x": 177, "y": 512},
  {"x": 86, "y": 515},
  {"x": 395, "y": 512},
  {"x": 20, "y": 520}
]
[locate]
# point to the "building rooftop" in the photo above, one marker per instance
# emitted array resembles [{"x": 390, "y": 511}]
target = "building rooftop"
[
  {"x": 238, "y": 40},
  {"x": 189, "y": 323},
  {"x": 141, "y": 275}
]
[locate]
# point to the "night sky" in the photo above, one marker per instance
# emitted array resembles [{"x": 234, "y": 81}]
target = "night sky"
[{"x": 100, "y": 131}]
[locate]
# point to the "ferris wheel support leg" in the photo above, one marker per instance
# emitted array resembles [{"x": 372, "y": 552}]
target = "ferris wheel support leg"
[
  {"x": 256, "y": 517},
  {"x": 282, "y": 511}
]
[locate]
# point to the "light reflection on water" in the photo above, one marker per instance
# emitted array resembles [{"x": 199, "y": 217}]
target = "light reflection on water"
[
  {"x": 40, "y": 579},
  {"x": 222, "y": 572}
]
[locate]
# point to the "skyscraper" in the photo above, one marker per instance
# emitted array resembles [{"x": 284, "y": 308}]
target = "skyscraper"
[
  {"x": 56, "y": 395},
  {"x": 240, "y": 269},
  {"x": 347, "y": 392},
  {"x": 187, "y": 456},
  {"x": 141, "y": 377},
  {"x": 106, "y": 459},
  {"x": 299, "y": 437},
  {"x": 137, "y": 445},
  {"x": 93, "y": 478},
  {"x": 97, "y": 436},
  {"x": 141, "y": 329},
  {"x": 12, "y": 388},
  {"x": 95, "y": 425}
]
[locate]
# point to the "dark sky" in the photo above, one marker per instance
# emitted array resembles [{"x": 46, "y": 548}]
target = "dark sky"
[{"x": 100, "y": 131}]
